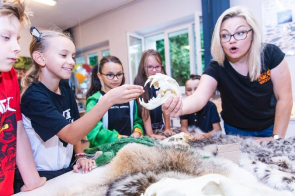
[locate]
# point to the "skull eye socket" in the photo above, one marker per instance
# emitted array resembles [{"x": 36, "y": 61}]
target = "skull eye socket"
[{"x": 171, "y": 139}]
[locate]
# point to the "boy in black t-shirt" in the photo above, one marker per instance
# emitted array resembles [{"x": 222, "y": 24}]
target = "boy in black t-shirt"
[{"x": 207, "y": 119}]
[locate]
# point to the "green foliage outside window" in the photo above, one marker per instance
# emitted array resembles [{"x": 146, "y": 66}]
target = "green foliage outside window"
[
  {"x": 93, "y": 60},
  {"x": 161, "y": 49},
  {"x": 202, "y": 46},
  {"x": 180, "y": 58},
  {"x": 23, "y": 63}
]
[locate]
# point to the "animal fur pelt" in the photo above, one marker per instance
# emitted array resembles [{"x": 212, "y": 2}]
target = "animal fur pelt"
[
  {"x": 272, "y": 162},
  {"x": 268, "y": 166}
]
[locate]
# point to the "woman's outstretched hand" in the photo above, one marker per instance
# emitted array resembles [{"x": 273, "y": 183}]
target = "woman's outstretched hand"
[
  {"x": 172, "y": 106},
  {"x": 124, "y": 93}
]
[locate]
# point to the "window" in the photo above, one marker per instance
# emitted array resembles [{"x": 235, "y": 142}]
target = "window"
[
  {"x": 135, "y": 48},
  {"x": 156, "y": 42},
  {"x": 105, "y": 52},
  {"x": 80, "y": 60},
  {"x": 93, "y": 59},
  {"x": 179, "y": 50},
  {"x": 202, "y": 45},
  {"x": 199, "y": 45},
  {"x": 180, "y": 46},
  {"x": 174, "y": 48}
]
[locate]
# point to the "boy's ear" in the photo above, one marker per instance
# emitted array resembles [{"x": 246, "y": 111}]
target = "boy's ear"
[{"x": 38, "y": 58}]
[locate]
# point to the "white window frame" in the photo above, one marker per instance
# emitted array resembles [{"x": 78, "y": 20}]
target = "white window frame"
[
  {"x": 198, "y": 48},
  {"x": 81, "y": 57},
  {"x": 131, "y": 77},
  {"x": 195, "y": 49},
  {"x": 189, "y": 27}
]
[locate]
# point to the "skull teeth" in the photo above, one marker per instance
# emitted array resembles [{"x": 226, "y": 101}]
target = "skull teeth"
[
  {"x": 154, "y": 102},
  {"x": 168, "y": 86}
]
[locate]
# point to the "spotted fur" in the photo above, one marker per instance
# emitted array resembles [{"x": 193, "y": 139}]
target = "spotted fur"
[
  {"x": 270, "y": 162},
  {"x": 268, "y": 166}
]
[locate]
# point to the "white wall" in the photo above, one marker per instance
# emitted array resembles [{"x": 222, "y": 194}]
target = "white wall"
[
  {"x": 137, "y": 16},
  {"x": 25, "y": 41}
]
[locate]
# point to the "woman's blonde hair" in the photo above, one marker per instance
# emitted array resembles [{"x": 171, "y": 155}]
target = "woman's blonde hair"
[
  {"x": 255, "y": 52},
  {"x": 41, "y": 46},
  {"x": 17, "y": 8}
]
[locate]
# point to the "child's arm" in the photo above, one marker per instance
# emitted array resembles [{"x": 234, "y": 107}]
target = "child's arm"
[
  {"x": 74, "y": 132},
  {"x": 99, "y": 135},
  {"x": 184, "y": 126},
  {"x": 136, "y": 133},
  {"x": 216, "y": 131},
  {"x": 137, "y": 123},
  {"x": 149, "y": 130},
  {"x": 148, "y": 126},
  {"x": 82, "y": 162},
  {"x": 214, "y": 119},
  {"x": 25, "y": 161},
  {"x": 167, "y": 125}
]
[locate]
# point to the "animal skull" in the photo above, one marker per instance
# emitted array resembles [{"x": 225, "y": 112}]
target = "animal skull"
[
  {"x": 179, "y": 141},
  {"x": 167, "y": 85}
]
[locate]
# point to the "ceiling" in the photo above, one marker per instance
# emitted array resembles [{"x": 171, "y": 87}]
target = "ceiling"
[{"x": 69, "y": 13}]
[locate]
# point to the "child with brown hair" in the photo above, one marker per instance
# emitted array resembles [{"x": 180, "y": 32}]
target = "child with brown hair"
[
  {"x": 207, "y": 119},
  {"x": 150, "y": 64}
]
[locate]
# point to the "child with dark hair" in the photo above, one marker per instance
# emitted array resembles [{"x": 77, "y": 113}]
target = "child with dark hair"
[
  {"x": 121, "y": 120},
  {"x": 207, "y": 119}
]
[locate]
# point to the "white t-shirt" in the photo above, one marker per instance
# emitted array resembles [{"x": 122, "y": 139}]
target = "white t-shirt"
[{"x": 44, "y": 114}]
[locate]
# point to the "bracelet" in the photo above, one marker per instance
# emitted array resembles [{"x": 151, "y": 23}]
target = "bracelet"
[
  {"x": 76, "y": 161},
  {"x": 138, "y": 130},
  {"x": 79, "y": 154},
  {"x": 80, "y": 159}
]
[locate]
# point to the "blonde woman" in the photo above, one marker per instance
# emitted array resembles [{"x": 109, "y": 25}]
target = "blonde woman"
[{"x": 253, "y": 79}]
